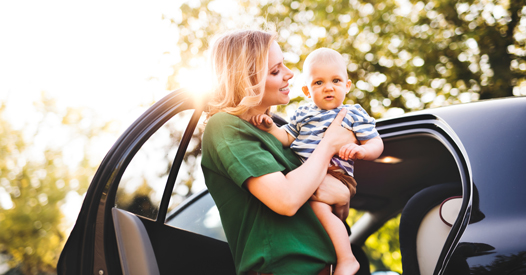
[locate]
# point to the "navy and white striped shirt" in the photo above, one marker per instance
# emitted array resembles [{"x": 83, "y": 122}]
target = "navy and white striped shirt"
[{"x": 309, "y": 123}]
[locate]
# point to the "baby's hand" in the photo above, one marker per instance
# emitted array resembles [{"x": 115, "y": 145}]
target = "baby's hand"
[
  {"x": 352, "y": 151},
  {"x": 262, "y": 122}
]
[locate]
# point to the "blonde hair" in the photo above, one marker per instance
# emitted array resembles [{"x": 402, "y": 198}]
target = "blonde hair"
[
  {"x": 240, "y": 65},
  {"x": 324, "y": 55}
]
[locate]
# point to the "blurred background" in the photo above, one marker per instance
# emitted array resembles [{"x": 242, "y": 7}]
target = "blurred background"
[{"x": 74, "y": 75}]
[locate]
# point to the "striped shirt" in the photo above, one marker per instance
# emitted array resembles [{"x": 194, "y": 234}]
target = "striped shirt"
[{"x": 309, "y": 123}]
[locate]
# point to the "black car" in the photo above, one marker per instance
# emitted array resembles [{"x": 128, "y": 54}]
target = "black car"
[{"x": 456, "y": 174}]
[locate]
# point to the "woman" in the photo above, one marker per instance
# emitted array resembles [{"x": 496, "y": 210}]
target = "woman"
[{"x": 259, "y": 187}]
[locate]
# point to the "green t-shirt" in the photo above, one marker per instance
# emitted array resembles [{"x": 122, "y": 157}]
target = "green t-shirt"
[{"x": 260, "y": 239}]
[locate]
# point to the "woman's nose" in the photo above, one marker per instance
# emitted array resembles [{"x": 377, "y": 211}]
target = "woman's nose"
[{"x": 288, "y": 74}]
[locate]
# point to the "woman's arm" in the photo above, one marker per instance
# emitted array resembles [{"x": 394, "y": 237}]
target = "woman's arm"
[{"x": 285, "y": 194}]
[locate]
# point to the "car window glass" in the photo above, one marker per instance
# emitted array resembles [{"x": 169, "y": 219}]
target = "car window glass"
[
  {"x": 142, "y": 184},
  {"x": 200, "y": 216}
]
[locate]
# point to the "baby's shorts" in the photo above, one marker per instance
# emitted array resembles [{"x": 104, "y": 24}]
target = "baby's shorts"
[{"x": 340, "y": 174}]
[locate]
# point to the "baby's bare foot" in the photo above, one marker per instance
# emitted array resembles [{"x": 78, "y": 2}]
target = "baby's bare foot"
[{"x": 349, "y": 267}]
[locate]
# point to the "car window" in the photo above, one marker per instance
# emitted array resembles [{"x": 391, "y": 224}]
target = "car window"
[
  {"x": 201, "y": 216},
  {"x": 383, "y": 247},
  {"x": 142, "y": 184}
]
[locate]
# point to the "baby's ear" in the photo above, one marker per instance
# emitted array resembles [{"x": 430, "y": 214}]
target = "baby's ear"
[
  {"x": 305, "y": 90},
  {"x": 348, "y": 85}
]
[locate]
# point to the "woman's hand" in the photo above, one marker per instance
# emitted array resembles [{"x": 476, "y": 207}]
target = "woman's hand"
[{"x": 337, "y": 136}]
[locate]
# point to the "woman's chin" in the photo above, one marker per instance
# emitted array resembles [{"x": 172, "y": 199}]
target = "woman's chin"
[{"x": 285, "y": 101}]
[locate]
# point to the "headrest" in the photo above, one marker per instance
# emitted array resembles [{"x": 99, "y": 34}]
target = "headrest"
[{"x": 449, "y": 209}]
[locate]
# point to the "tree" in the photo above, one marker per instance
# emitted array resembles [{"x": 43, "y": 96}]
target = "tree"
[
  {"x": 34, "y": 183},
  {"x": 403, "y": 55}
]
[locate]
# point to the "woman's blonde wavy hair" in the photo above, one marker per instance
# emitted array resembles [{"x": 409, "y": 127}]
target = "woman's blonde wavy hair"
[{"x": 239, "y": 65}]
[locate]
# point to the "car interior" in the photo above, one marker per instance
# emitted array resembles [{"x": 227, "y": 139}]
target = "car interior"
[
  {"x": 415, "y": 175},
  {"x": 418, "y": 175}
]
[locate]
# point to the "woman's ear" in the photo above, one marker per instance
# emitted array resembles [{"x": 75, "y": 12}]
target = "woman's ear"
[{"x": 305, "y": 90}]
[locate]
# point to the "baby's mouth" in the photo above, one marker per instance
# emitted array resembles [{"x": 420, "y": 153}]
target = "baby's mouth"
[{"x": 329, "y": 97}]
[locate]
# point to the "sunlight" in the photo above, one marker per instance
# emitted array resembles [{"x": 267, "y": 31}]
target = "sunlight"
[
  {"x": 111, "y": 64},
  {"x": 197, "y": 81},
  {"x": 5, "y": 199},
  {"x": 111, "y": 68}
]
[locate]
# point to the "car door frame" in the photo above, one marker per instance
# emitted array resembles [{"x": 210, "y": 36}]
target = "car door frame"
[
  {"x": 92, "y": 246},
  {"x": 434, "y": 126}
]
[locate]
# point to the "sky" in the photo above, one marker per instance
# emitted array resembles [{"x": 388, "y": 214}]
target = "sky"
[
  {"x": 107, "y": 55},
  {"x": 111, "y": 57}
]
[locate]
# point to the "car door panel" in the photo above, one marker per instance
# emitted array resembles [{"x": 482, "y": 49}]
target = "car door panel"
[{"x": 183, "y": 252}]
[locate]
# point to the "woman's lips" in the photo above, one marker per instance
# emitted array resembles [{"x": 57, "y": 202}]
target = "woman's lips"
[{"x": 285, "y": 90}]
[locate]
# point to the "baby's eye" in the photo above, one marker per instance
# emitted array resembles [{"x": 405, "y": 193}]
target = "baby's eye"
[
  {"x": 317, "y": 82},
  {"x": 336, "y": 80}
]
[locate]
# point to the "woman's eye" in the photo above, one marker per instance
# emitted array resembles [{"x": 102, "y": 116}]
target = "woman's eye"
[{"x": 274, "y": 73}]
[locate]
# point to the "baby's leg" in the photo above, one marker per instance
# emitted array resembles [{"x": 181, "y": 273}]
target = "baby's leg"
[{"x": 346, "y": 262}]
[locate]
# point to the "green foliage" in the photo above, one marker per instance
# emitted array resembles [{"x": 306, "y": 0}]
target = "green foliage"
[
  {"x": 402, "y": 55},
  {"x": 383, "y": 247},
  {"x": 36, "y": 182}
]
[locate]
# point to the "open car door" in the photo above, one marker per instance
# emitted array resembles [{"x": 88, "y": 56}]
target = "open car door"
[{"x": 108, "y": 240}]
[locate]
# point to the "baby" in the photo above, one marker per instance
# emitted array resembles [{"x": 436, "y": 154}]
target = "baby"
[{"x": 327, "y": 84}]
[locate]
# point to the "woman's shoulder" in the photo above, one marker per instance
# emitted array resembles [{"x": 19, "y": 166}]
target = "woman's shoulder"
[
  {"x": 218, "y": 127},
  {"x": 226, "y": 123},
  {"x": 222, "y": 118}
]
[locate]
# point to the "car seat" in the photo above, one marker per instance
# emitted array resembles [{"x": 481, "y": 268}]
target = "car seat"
[{"x": 425, "y": 224}]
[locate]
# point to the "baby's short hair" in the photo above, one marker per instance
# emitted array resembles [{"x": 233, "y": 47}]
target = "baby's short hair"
[{"x": 323, "y": 55}]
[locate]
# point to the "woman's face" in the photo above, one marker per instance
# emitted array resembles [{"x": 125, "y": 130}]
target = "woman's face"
[{"x": 277, "y": 84}]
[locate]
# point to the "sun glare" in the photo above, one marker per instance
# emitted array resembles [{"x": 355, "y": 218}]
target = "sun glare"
[{"x": 197, "y": 81}]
